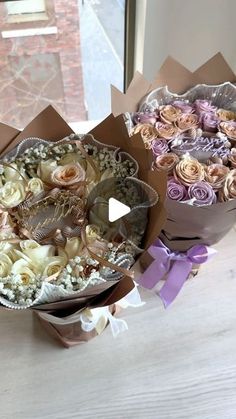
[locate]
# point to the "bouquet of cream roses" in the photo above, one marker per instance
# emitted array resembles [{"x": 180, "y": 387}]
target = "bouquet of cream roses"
[{"x": 56, "y": 255}]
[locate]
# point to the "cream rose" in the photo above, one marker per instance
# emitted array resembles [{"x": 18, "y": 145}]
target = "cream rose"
[
  {"x": 228, "y": 128},
  {"x": 5, "y": 265},
  {"x": 53, "y": 265},
  {"x": 35, "y": 186},
  {"x": 147, "y": 131},
  {"x": 232, "y": 157},
  {"x": 225, "y": 115},
  {"x": 189, "y": 171},
  {"x": 215, "y": 175},
  {"x": 167, "y": 131},
  {"x": 228, "y": 191},
  {"x": 72, "y": 247},
  {"x": 36, "y": 252},
  {"x": 166, "y": 161},
  {"x": 68, "y": 175},
  {"x": 12, "y": 173},
  {"x": 187, "y": 121},
  {"x": 24, "y": 269},
  {"x": 169, "y": 113},
  {"x": 12, "y": 194}
]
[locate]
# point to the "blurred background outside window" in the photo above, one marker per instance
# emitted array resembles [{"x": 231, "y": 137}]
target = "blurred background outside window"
[{"x": 59, "y": 52}]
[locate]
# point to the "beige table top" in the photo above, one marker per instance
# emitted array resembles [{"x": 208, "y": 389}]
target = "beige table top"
[{"x": 178, "y": 363}]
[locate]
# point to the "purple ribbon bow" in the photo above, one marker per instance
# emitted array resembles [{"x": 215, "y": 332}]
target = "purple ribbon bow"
[{"x": 177, "y": 272}]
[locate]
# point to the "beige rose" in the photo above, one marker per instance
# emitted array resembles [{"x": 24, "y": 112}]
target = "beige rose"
[
  {"x": 189, "y": 171},
  {"x": 232, "y": 157},
  {"x": 169, "y": 113},
  {"x": 215, "y": 175},
  {"x": 225, "y": 115},
  {"x": 68, "y": 175},
  {"x": 187, "y": 121},
  {"x": 12, "y": 194},
  {"x": 5, "y": 265},
  {"x": 228, "y": 191},
  {"x": 147, "y": 131},
  {"x": 12, "y": 173},
  {"x": 167, "y": 131},
  {"x": 166, "y": 161},
  {"x": 228, "y": 128},
  {"x": 35, "y": 186}
]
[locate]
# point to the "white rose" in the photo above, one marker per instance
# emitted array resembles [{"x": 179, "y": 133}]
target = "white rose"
[
  {"x": 72, "y": 247},
  {"x": 45, "y": 169},
  {"x": 6, "y": 247},
  {"x": 54, "y": 265},
  {"x": 5, "y": 265},
  {"x": 36, "y": 252},
  {"x": 24, "y": 269},
  {"x": 35, "y": 186},
  {"x": 12, "y": 173},
  {"x": 12, "y": 194}
]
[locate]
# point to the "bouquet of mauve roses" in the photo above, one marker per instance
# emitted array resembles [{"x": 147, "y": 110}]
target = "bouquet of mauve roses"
[
  {"x": 194, "y": 143},
  {"x": 189, "y": 126},
  {"x": 192, "y": 137},
  {"x": 58, "y": 256}
]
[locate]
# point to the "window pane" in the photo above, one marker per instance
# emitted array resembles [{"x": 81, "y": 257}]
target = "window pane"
[{"x": 66, "y": 53}]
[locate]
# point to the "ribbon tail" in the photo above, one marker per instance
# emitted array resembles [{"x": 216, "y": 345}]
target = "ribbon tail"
[
  {"x": 175, "y": 280},
  {"x": 117, "y": 325},
  {"x": 153, "y": 274}
]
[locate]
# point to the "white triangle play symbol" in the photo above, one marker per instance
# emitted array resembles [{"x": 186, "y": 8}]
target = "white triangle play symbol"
[{"x": 116, "y": 209}]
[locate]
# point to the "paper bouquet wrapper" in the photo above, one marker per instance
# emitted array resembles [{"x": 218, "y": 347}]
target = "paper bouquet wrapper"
[
  {"x": 49, "y": 125},
  {"x": 186, "y": 225}
]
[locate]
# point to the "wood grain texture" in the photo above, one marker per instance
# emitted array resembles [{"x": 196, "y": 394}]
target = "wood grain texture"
[{"x": 178, "y": 363}]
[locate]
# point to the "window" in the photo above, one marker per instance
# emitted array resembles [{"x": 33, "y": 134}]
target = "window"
[
  {"x": 70, "y": 61},
  {"x": 26, "y": 10}
]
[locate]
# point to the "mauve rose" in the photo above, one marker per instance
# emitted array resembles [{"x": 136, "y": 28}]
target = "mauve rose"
[
  {"x": 167, "y": 131},
  {"x": 228, "y": 128},
  {"x": 159, "y": 146},
  {"x": 202, "y": 105},
  {"x": 202, "y": 194},
  {"x": 209, "y": 122},
  {"x": 176, "y": 191},
  {"x": 144, "y": 118},
  {"x": 183, "y": 105}
]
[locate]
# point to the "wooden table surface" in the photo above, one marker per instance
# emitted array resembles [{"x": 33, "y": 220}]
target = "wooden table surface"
[{"x": 178, "y": 363}]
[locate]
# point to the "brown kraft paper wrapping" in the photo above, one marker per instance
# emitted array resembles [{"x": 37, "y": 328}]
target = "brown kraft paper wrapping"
[
  {"x": 50, "y": 125},
  {"x": 186, "y": 225}
]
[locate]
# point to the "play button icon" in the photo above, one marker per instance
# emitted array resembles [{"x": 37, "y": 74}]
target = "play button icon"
[{"x": 117, "y": 210}]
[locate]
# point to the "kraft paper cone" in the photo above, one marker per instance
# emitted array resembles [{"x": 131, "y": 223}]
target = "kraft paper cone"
[{"x": 186, "y": 225}]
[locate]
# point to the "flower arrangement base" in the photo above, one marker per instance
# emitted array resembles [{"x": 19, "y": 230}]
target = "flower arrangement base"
[{"x": 71, "y": 334}]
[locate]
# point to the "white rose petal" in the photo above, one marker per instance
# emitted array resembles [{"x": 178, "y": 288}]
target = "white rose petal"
[
  {"x": 5, "y": 265},
  {"x": 21, "y": 267},
  {"x": 12, "y": 194},
  {"x": 53, "y": 265}
]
